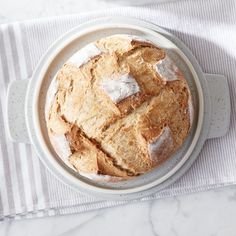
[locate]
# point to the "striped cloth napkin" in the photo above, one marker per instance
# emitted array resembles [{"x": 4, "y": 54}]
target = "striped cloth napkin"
[{"x": 28, "y": 189}]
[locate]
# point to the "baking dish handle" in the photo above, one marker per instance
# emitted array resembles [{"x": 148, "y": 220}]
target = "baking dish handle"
[
  {"x": 16, "y": 120},
  {"x": 220, "y": 105}
]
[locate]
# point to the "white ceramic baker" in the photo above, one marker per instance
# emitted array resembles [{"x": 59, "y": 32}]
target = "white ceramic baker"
[{"x": 27, "y": 99}]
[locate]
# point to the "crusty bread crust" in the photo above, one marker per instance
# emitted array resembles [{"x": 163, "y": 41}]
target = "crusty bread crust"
[{"x": 119, "y": 112}]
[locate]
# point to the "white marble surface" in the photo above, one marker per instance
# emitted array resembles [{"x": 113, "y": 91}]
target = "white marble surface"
[{"x": 211, "y": 213}]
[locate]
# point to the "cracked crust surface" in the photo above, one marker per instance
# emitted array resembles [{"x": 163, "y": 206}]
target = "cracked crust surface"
[{"x": 133, "y": 123}]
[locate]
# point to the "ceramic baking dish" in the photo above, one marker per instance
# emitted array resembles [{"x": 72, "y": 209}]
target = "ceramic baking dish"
[{"x": 26, "y": 103}]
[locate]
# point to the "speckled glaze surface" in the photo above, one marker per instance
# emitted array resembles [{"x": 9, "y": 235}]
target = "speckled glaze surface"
[{"x": 211, "y": 105}]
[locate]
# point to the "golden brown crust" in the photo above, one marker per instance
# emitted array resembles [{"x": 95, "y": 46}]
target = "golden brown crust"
[
  {"x": 88, "y": 156},
  {"x": 120, "y": 117}
]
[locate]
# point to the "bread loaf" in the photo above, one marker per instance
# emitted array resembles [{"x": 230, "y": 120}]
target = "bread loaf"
[{"x": 121, "y": 107}]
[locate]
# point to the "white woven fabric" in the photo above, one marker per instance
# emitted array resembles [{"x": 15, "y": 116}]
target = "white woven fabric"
[{"x": 207, "y": 27}]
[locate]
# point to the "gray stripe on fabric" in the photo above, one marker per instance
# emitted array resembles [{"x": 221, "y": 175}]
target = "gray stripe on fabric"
[
  {"x": 26, "y": 47},
  {"x": 4, "y": 59},
  {"x": 31, "y": 174},
  {"x": 44, "y": 183},
  {"x": 1, "y": 203},
  {"x": 5, "y": 157},
  {"x": 15, "y": 146}
]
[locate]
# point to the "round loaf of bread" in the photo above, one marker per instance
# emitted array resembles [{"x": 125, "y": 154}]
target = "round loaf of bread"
[{"x": 118, "y": 108}]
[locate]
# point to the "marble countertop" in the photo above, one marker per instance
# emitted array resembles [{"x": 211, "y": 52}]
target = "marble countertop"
[{"x": 211, "y": 213}]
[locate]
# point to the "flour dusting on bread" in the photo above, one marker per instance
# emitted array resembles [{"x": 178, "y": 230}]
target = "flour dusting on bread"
[
  {"x": 121, "y": 88},
  {"x": 167, "y": 69},
  {"x": 52, "y": 90},
  {"x": 190, "y": 110},
  {"x": 161, "y": 145},
  {"x": 85, "y": 54},
  {"x": 61, "y": 147}
]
